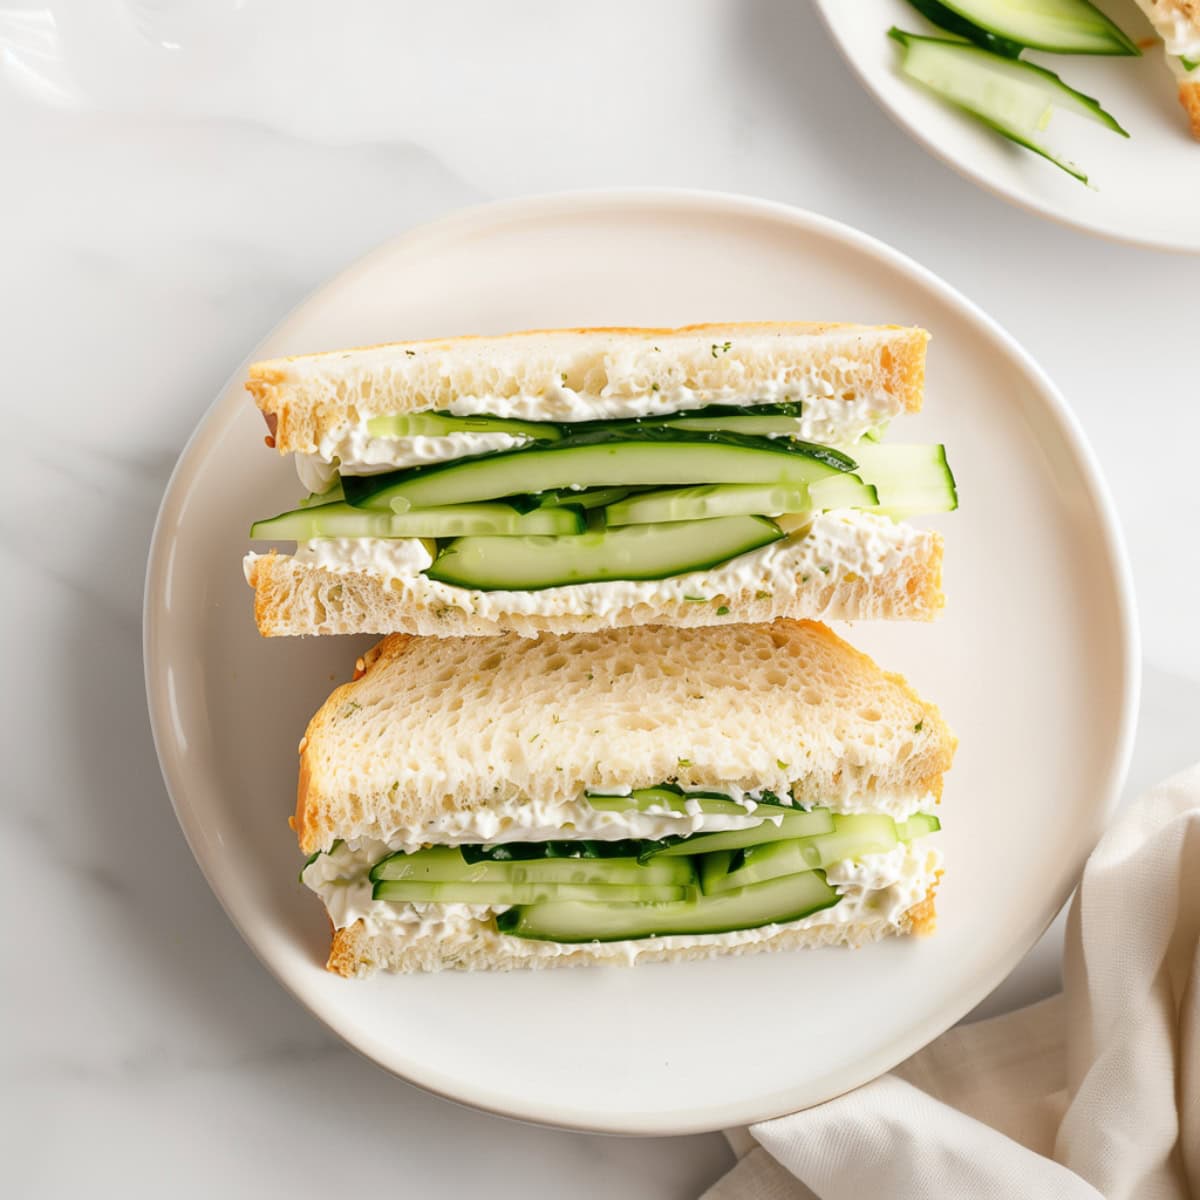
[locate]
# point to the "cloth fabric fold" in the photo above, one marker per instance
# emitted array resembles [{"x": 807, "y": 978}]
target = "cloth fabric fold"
[{"x": 1092, "y": 1093}]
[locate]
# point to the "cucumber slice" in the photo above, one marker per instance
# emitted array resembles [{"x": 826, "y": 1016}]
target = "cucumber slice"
[
  {"x": 907, "y": 479},
  {"x": 331, "y": 494},
  {"x": 842, "y": 491},
  {"x": 445, "y": 864},
  {"x": 1012, "y": 96},
  {"x": 774, "y": 903},
  {"x": 1189, "y": 64},
  {"x": 814, "y": 822},
  {"x": 677, "y": 800},
  {"x": 628, "y": 552},
  {"x": 949, "y": 20},
  {"x": 654, "y": 456},
  {"x": 1060, "y": 26},
  {"x": 408, "y": 425},
  {"x": 586, "y": 498},
  {"x": 573, "y": 848},
  {"x": 341, "y": 521},
  {"x": 416, "y": 891},
  {"x": 757, "y": 425},
  {"x": 918, "y": 825},
  {"x": 853, "y": 836},
  {"x": 710, "y": 500}
]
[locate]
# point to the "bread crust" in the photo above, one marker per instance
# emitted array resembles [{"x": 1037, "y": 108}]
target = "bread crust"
[
  {"x": 1189, "y": 97},
  {"x": 300, "y": 413},
  {"x": 300, "y": 599},
  {"x": 355, "y": 953}
]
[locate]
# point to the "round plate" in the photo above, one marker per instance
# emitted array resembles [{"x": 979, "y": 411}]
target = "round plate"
[
  {"x": 1145, "y": 187},
  {"x": 1034, "y": 664}
]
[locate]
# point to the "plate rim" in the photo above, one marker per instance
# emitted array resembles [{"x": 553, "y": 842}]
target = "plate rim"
[
  {"x": 484, "y": 218},
  {"x": 1004, "y": 191}
]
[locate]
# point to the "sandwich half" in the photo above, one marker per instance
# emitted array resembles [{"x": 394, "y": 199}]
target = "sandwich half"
[
  {"x": 566, "y": 480},
  {"x": 1177, "y": 22},
  {"x": 618, "y": 796}
]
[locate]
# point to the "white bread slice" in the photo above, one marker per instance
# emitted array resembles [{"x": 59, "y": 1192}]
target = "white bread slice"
[
  {"x": 358, "y": 952},
  {"x": 295, "y": 598},
  {"x": 439, "y": 725},
  {"x": 308, "y": 397},
  {"x": 1177, "y": 22}
]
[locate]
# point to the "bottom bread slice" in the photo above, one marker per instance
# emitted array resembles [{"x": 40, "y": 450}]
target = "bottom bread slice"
[
  {"x": 358, "y": 952},
  {"x": 850, "y": 566}
]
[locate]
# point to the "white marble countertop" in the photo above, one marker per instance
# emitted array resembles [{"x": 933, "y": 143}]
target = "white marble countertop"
[{"x": 164, "y": 205}]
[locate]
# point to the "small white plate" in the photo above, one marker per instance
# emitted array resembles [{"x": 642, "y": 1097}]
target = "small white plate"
[
  {"x": 1146, "y": 185},
  {"x": 1034, "y": 663}
]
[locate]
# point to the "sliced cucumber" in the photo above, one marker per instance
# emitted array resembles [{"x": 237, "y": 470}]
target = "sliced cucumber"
[
  {"x": 676, "y": 800},
  {"x": 426, "y": 424},
  {"x": 523, "y": 893},
  {"x": 710, "y": 500},
  {"x": 585, "y": 498},
  {"x": 949, "y": 20},
  {"x": 812, "y": 823},
  {"x": 1189, "y": 64},
  {"x": 445, "y": 864},
  {"x": 628, "y": 552},
  {"x": 331, "y": 494},
  {"x": 342, "y": 521},
  {"x": 1014, "y": 97},
  {"x": 759, "y": 426},
  {"x": 907, "y": 479},
  {"x": 774, "y": 903},
  {"x": 654, "y": 456},
  {"x": 573, "y": 848},
  {"x": 918, "y": 825},
  {"x": 1060, "y": 26},
  {"x": 842, "y": 491}
]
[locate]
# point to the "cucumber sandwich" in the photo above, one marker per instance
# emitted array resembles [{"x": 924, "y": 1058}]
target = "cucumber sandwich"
[
  {"x": 577, "y": 479},
  {"x": 1177, "y": 22},
  {"x": 618, "y": 796}
]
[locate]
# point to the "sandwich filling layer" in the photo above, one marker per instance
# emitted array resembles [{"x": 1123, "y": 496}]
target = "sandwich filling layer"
[
  {"x": 657, "y": 865},
  {"x": 496, "y": 504}
]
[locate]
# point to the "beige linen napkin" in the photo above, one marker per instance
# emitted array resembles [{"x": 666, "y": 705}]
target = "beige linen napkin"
[{"x": 1093, "y": 1093}]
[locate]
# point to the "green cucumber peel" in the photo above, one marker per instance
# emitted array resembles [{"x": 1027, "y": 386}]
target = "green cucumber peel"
[
  {"x": 952, "y": 22},
  {"x": 1055, "y": 26}
]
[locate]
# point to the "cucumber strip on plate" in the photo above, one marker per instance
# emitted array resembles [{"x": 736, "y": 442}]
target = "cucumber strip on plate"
[
  {"x": 425, "y": 424},
  {"x": 1012, "y": 96},
  {"x": 340, "y": 520},
  {"x": 1059, "y": 26},
  {"x": 946, "y": 18},
  {"x": 627, "y": 552},
  {"x": 776, "y": 902},
  {"x": 656, "y": 456}
]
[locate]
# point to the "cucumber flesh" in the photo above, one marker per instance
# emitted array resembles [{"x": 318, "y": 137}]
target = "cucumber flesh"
[
  {"x": 627, "y": 552},
  {"x": 709, "y": 500},
  {"x": 760, "y": 426},
  {"x": 777, "y": 902},
  {"x": 676, "y": 800},
  {"x": 811, "y": 823},
  {"x": 854, "y": 835},
  {"x": 446, "y": 864},
  {"x": 907, "y": 479},
  {"x": 918, "y": 825},
  {"x": 416, "y": 891},
  {"x": 1059, "y": 26},
  {"x": 655, "y": 456},
  {"x": 409, "y": 425},
  {"x": 842, "y": 491},
  {"x": 332, "y": 493},
  {"x": 1014, "y": 97},
  {"x": 952, "y": 22},
  {"x": 340, "y": 520},
  {"x": 585, "y": 498}
]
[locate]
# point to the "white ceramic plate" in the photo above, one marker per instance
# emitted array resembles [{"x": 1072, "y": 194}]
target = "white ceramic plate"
[
  {"x": 1146, "y": 185},
  {"x": 1034, "y": 664}
]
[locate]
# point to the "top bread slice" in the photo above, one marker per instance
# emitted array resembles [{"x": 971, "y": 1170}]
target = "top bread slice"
[
  {"x": 439, "y": 725},
  {"x": 308, "y": 397}
]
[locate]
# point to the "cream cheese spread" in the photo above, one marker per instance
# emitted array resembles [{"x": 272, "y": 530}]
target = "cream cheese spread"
[
  {"x": 1179, "y": 30},
  {"x": 391, "y": 558}
]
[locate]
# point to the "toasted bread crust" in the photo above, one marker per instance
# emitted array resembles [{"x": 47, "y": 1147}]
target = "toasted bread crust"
[
  {"x": 299, "y": 417},
  {"x": 1189, "y": 97},
  {"x": 355, "y": 953}
]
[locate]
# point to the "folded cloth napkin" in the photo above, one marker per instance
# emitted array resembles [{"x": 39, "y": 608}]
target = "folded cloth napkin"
[{"x": 1093, "y": 1093}]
